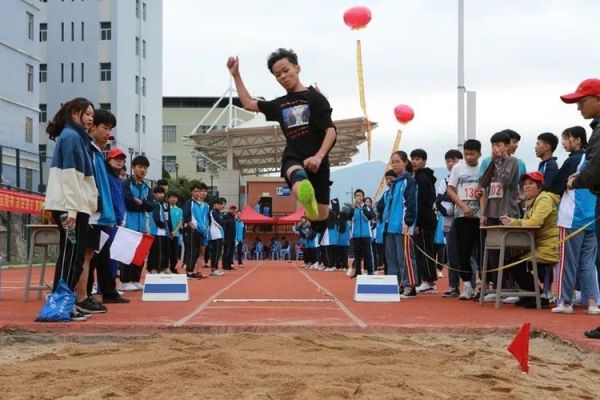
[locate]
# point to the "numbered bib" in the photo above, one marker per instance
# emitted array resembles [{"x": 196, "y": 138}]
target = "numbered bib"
[
  {"x": 468, "y": 191},
  {"x": 496, "y": 190}
]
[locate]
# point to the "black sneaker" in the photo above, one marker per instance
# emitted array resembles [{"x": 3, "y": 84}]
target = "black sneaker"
[
  {"x": 78, "y": 316},
  {"x": 193, "y": 275},
  {"x": 451, "y": 293},
  {"x": 88, "y": 306},
  {"x": 593, "y": 334},
  {"x": 409, "y": 293},
  {"x": 117, "y": 299}
]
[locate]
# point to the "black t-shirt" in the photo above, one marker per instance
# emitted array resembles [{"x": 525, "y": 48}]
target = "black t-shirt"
[{"x": 304, "y": 118}]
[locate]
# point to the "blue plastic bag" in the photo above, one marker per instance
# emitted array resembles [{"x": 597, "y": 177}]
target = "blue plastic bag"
[{"x": 59, "y": 305}]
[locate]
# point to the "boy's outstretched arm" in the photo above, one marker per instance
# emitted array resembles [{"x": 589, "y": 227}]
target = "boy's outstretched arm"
[
  {"x": 233, "y": 64},
  {"x": 313, "y": 163}
]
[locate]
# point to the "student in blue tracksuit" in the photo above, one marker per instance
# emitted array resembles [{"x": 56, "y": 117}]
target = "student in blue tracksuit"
[
  {"x": 195, "y": 229},
  {"x": 389, "y": 177},
  {"x": 138, "y": 202},
  {"x": 362, "y": 215},
  {"x": 344, "y": 229},
  {"x": 215, "y": 243},
  {"x": 175, "y": 239},
  {"x": 544, "y": 149},
  {"x": 240, "y": 234},
  {"x": 399, "y": 218},
  {"x": 158, "y": 258},
  {"x": 71, "y": 188}
]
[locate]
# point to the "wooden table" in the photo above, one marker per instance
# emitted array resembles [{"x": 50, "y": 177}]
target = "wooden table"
[
  {"x": 41, "y": 236},
  {"x": 501, "y": 237}
]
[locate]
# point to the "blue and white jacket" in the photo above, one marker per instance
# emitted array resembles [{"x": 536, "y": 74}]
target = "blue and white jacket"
[
  {"x": 344, "y": 237},
  {"x": 332, "y": 236},
  {"x": 216, "y": 225},
  {"x": 71, "y": 185},
  {"x": 577, "y": 207},
  {"x": 158, "y": 220},
  {"x": 105, "y": 214},
  {"x": 361, "y": 222},
  {"x": 402, "y": 208},
  {"x": 135, "y": 215},
  {"x": 240, "y": 231},
  {"x": 382, "y": 204},
  {"x": 198, "y": 212},
  {"x": 118, "y": 197}
]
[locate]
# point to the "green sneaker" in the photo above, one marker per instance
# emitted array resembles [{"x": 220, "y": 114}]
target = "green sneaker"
[{"x": 306, "y": 196}]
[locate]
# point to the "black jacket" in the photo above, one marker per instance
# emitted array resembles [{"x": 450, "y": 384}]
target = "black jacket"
[
  {"x": 589, "y": 178},
  {"x": 228, "y": 227},
  {"x": 426, "y": 218}
]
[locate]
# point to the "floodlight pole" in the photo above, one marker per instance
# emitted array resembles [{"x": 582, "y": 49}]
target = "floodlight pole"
[{"x": 461, "y": 74}]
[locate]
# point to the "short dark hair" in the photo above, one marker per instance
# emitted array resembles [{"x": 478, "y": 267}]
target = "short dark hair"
[
  {"x": 500, "y": 137},
  {"x": 451, "y": 154},
  {"x": 549, "y": 138},
  {"x": 220, "y": 200},
  {"x": 359, "y": 191},
  {"x": 200, "y": 186},
  {"x": 512, "y": 134},
  {"x": 172, "y": 194},
  {"x": 140, "y": 160},
  {"x": 158, "y": 189},
  {"x": 577, "y": 132},
  {"x": 162, "y": 182},
  {"x": 418, "y": 153},
  {"x": 104, "y": 117},
  {"x": 280, "y": 54},
  {"x": 472, "y": 144},
  {"x": 390, "y": 172}
]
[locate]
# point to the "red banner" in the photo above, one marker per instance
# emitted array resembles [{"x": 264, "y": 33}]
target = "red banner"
[{"x": 20, "y": 203}]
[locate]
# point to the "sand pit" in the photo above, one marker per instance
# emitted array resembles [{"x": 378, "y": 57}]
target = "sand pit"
[{"x": 292, "y": 366}]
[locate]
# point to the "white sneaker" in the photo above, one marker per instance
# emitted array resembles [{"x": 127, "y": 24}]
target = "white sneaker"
[
  {"x": 128, "y": 287},
  {"x": 314, "y": 266},
  {"x": 593, "y": 310},
  {"x": 217, "y": 272},
  {"x": 139, "y": 285},
  {"x": 330, "y": 269},
  {"x": 153, "y": 271},
  {"x": 563, "y": 309},
  {"x": 440, "y": 274},
  {"x": 306, "y": 266},
  {"x": 467, "y": 293},
  {"x": 510, "y": 300},
  {"x": 490, "y": 297},
  {"x": 349, "y": 271},
  {"x": 426, "y": 288}
]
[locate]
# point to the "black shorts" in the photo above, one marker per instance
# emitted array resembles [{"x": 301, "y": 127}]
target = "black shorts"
[
  {"x": 320, "y": 179},
  {"x": 92, "y": 240}
]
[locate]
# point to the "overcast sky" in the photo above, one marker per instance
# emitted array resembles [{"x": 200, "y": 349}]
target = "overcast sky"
[{"x": 520, "y": 55}]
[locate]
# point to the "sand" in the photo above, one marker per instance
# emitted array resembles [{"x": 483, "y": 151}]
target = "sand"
[{"x": 292, "y": 366}]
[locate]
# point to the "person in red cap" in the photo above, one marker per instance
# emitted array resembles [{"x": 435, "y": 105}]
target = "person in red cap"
[
  {"x": 542, "y": 211},
  {"x": 587, "y": 97}
]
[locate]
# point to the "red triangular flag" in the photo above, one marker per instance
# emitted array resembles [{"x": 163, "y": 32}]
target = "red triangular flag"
[
  {"x": 142, "y": 250},
  {"x": 520, "y": 347}
]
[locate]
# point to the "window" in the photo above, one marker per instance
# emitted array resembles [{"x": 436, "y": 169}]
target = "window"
[
  {"x": 82, "y": 31},
  {"x": 72, "y": 31},
  {"x": 137, "y": 8},
  {"x": 200, "y": 166},
  {"x": 137, "y": 46},
  {"x": 137, "y": 84},
  {"x": 43, "y": 112},
  {"x": 29, "y": 26},
  {"x": 82, "y": 71},
  {"x": 144, "y": 11},
  {"x": 43, "y": 72},
  {"x": 28, "y": 130},
  {"x": 143, "y": 86},
  {"x": 169, "y": 163},
  {"x": 105, "y": 106},
  {"x": 143, "y": 124},
  {"x": 105, "y": 31},
  {"x": 72, "y": 72},
  {"x": 62, "y": 31},
  {"x": 203, "y": 129},
  {"x": 105, "y": 74},
  {"x": 43, "y": 32},
  {"x": 137, "y": 122},
  {"x": 28, "y": 179},
  {"x": 62, "y": 72},
  {"x": 29, "y": 77},
  {"x": 144, "y": 48},
  {"x": 169, "y": 133}
]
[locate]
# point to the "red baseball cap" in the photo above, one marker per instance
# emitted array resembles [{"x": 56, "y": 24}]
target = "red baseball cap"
[
  {"x": 115, "y": 153},
  {"x": 535, "y": 175},
  {"x": 232, "y": 207},
  {"x": 111, "y": 137},
  {"x": 589, "y": 87}
]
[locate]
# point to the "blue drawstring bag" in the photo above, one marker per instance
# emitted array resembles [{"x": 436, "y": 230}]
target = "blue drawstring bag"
[{"x": 59, "y": 304}]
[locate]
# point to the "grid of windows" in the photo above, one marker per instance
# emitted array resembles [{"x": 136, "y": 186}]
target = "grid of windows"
[
  {"x": 28, "y": 130},
  {"x": 43, "y": 32},
  {"x": 200, "y": 166},
  {"x": 29, "y": 25},
  {"x": 105, "y": 72},
  {"x": 105, "y": 31},
  {"x": 43, "y": 72},
  {"x": 29, "y": 77},
  {"x": 43, "y": 112},
  {"x": 169, "y": 133}
]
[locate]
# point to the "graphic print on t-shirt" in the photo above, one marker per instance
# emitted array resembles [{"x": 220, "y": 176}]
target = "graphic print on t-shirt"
[{"x": 296, "y": 116}]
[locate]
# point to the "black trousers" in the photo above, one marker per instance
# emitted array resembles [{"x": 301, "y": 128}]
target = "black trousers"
[
  {"x": 343, "y": 257},
  {"x": 467, "y": 237},
  {"x": 228, "y": 250},
  {"x": 174, "y": 253},
  {"x": 216, "y": 249},
  {"x": 192, "y": 239},
  {"x": 310, "y": 255},
  {"x": 239, "y": 253},
  {"x": 69, "y": 264},
  {"x": 130, "y": 273},
  {"x": 101, "y": 264},
  {"x": 158, "y": 258},
  {"x": 363, "y": 251},
  {"x": 426, "y": 268},
  {"x": 524, "y": 277}
]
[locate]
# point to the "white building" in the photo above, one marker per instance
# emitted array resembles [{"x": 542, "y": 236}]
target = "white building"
[
  {"x": 110, "y": 52},
  {"x": 19, "y": 61}
]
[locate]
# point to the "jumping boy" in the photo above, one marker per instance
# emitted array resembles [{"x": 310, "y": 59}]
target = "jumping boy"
[{"x": 304, "y": 115}]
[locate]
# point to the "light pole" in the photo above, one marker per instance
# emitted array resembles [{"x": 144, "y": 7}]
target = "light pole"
[{"x": 211, "y": 185}]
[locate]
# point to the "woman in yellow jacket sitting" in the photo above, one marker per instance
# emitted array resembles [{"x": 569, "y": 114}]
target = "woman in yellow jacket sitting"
[{"x": 542, "y": 211}]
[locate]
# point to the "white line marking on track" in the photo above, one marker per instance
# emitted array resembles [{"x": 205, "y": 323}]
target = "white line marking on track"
[
  {"x": 341, "y": 305},
  {"x": 207, "y": 302},
  {"x": 273, "y": 300}
]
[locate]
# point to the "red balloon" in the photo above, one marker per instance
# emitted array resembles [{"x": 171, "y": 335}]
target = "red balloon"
[
  {"x": 404, "y": 113},
  {"x": 357, "y": 17}
]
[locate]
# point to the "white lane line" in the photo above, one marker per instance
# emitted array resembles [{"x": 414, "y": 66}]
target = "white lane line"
[
  {"x": 273, "y": 300},
  {"x": 341, "y": 305},
  {"x": 207, "y": 302}
]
